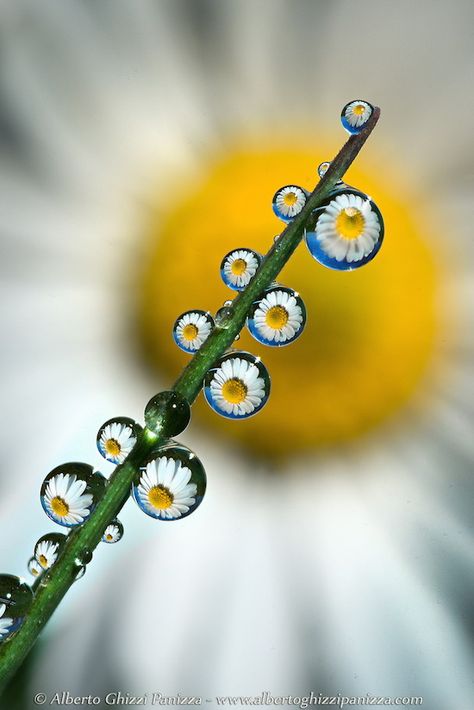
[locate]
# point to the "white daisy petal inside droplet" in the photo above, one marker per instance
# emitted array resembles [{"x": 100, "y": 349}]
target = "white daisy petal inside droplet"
[
  {"x": 111, "y": 533},
  {"x": 357, "y": 113},
  {"x": 165, "y": 489},
  {"x": 5, "y": 622},
  {"x": 115, "y": 441},
  {"x": 46, "y": 553},
  {"x": 65, "y": 500},
  {"x": 348, "y": 229},
  {"x": 237, "y": 388},
  {"x": 289, "y": 201},
  {"x": 192, "y": 329},
  {"x": 239, "y": 267},
  {"x": 279, "y": 318}
]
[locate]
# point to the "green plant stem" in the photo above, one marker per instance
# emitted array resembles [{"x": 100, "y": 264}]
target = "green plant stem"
[{"x": 53, "y": 585}]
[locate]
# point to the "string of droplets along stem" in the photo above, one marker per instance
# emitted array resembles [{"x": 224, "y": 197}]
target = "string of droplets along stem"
[{"x": 343, "y": 230}]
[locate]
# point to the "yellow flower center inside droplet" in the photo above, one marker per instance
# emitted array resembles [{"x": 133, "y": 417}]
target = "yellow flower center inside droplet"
[
  {"x": 359, "y": 109},
  {"x": 350, "y": 223},
  {"x": 59, "y": 506},
  {"x": 276, "y": 317},
  {"x": 34, "y": 572},
  {"x": 109, "y": 537},
  {"x": 234, "y": 391},
  {"x": 43, "y": 561},
  {"x": 160, "y": 497},
  {"x": 238, "y": 267},
  {"x": 290, "y": 198},
  {"x": 371, "y": 333},
  {"x": 190, "y": 332},
  {"x": 112, "y": 447}
]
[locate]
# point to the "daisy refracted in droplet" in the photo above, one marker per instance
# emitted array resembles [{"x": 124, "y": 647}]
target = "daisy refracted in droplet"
[
  {"x": 238, "y": 386},
  {"x": 65, "y": 494},
  {"x": 15, "y": 600},
  {"x": 288, "y": 202},
  {"x": 238, "y": 267},
  {"x": 171, "y": 486},
  {"x": 191, "y": 329},
  {"x": 46, "y": 553},
  {"x": 355, "y": 115},
  {"x": 116, "y": 438},
  {"x": 34, "y": 567},
  {"x": 278, "y": 318},
  {"x": 323, "y": 168},
  {"x": 5, "y": 622},
  {"x": 348, "y": 231},
  {"x": 113, "y": 532}
]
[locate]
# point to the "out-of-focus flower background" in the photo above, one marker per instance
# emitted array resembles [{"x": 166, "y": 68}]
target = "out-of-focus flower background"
[{"x": 139, "y": 142}]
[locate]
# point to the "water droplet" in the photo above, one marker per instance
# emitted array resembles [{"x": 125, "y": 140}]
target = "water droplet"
[
  {"x": 34, "y": 567},
  {"x": 113, "y": 532},
  {"x": 84, "y": 557},
  {"x": 237, "y": 337},
  {"x": 116, "y": 438},
  {"x": 238, "y": 267},
  {"x": 278, "y": 317},
  {"x": 15, "y": 600},
  {"x": 171, "y": 484},
  {"x": 355, "y": 115},
  {"x": 323, "y": 168},
  {"x": 69, "y": 494},
  {"x": 349, "y": 234},
  {"x": 167, "y": 414},
  {"x": 80, "y": 572},
  {"x": 48, "y": 548},
  {"x": 224, "y": 317},
  {"x": 240, "y": 389},
  {"x": 288, "y": 202},
  {"x": 191, "y": 329},
  {"x": 276, "y": 238}
]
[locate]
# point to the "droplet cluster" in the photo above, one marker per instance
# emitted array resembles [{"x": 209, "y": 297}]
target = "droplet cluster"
[{"x": 343, "y": 233}]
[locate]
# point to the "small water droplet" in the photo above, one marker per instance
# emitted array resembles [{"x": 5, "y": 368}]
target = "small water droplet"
[
  {"x": 113, "y": 532},
  {"x": 237, "y": 337},
  {"x": 224, "y": 316},
  {"x": 48, "y": 548}
]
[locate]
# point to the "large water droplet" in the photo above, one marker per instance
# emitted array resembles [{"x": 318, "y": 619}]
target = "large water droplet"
[
  {"x": 238, "y": 386},
  {"x": 116, "y": 438},
  {"x": 191, "y": 329},
  {"x": 15, "y": 600},
  {"x": 171, "y": 484},
  {"x": 69, "y": 494},
  {"x": 238, "y": 267},
  {"x": 355, "y": 115},
  {"x": 348, "y": 231},
  {"x": 278, "y": 317}
]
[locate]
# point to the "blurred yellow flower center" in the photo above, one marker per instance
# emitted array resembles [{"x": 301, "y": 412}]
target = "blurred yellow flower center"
[
  {"x": 160, "y": 497},
  {"x": 359, "y": 109},
  {"x": 290, "y": 198},
  {"x": 276, "y": 317},
  {"x": 190, "y": 331},
  {"x": 59, "y": 506},
  {"x": 234, "y": 391},
  {"x": 370, "y": 333},
  {"x": 350, "y": 223},
  {"x": 112, "y": 447},
  {"x": 238, "y": 267},
  {"x": 43, "y": 561}
]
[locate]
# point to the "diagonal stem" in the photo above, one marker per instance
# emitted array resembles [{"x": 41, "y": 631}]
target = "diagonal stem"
[{"x": 54, "y": 584}]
